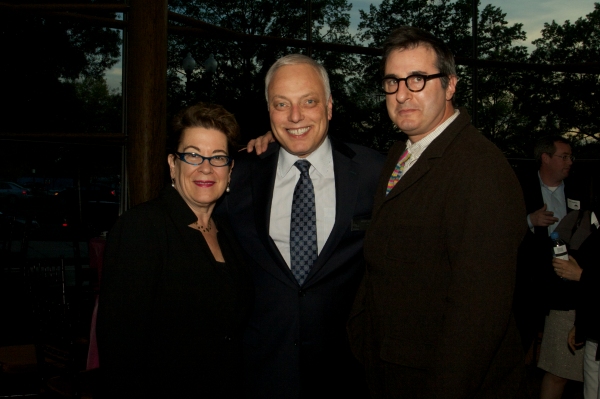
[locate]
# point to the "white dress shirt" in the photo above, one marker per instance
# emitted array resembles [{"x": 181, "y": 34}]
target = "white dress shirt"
[
  {"x": 420, "y": 146},
  {"x": 554, "y": 198},
  {"x": 323, "y": 179}
]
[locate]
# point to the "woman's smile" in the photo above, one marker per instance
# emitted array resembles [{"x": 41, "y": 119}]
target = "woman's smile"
[{"x": 204, "y": 183}]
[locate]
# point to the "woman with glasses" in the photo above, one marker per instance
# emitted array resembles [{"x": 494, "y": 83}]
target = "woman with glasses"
[{"x": 175, "y": 291}]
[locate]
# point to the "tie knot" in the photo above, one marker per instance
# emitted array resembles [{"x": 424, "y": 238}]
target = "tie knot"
[{"x": 303, "y": 166}]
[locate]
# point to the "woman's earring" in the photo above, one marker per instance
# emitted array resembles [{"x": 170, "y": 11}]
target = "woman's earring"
[
  {"x": 227, "y": 189},
  {"x": 173, "y": 183}
]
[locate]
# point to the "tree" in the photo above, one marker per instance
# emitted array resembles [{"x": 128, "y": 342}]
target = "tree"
[
  {"x": 98, "y": 108},
  {"x": 572, "y": 100},
  {"x": 239, "y": 81},
  {"x": 451, "y": 21},
  {"x": 43, "y": 56}
]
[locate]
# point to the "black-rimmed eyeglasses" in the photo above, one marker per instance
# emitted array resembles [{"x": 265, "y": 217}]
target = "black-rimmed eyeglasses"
[
  {"x": 414, "y": 83},
  {"x": 196, "y": 159}
]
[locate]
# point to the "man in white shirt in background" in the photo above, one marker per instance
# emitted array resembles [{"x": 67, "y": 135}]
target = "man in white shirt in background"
[{"x": 542, "y": 299}]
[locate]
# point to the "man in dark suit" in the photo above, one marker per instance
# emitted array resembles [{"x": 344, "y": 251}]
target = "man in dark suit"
[
  {"x": 543, "y": 216},
  {"x": 539, "y": 291},
  {"x": 296, "y": 345},
  {"x": 433, "y": 318}
]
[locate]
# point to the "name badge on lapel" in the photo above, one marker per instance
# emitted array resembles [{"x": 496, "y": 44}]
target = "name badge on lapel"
[
  {"x": 573, "y": 204},
  {"x": 360, "y": 223}
]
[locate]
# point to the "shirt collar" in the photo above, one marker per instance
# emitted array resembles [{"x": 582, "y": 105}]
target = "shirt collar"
[
  {"x": 417, "y": 148},
  {"x": 562, "y": 183},
  {"x": 321, "y": 159}
]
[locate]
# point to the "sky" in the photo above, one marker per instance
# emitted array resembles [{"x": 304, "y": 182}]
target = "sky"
[
  {"x": 534, "y": 13},
  {"x": 531, "y": 13}
]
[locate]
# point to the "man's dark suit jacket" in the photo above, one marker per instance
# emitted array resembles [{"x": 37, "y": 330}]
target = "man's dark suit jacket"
[
  {"x": 295, "y": 345},
  {"x": 433, "y": 315},
  {"x": 170, "y": 317},
  {"x": 538, "y": 288}
]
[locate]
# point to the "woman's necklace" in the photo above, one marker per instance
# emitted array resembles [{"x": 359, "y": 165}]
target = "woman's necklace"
[{"x": 202, "y": 228}]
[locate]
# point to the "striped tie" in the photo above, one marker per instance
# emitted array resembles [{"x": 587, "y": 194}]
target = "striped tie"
[{"x": 397, "y": 173}]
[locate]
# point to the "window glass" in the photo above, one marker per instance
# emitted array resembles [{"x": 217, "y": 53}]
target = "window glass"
[{"x": 58, "y": 192}]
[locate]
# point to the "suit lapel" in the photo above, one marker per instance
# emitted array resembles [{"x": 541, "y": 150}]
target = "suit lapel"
[
  {"x": 572, "y": 194},
  {"x": 418, "y": 170},
  {"x": 346, "y": 173},
  {"x": 434, "y": 151},
  {"x": 388, "y": 167},
  {"x": 263, "y": 181},
  {"x": 536, "y": 186}
]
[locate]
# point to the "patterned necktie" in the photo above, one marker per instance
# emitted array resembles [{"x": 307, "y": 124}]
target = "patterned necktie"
[
  {"x": 397, "y": 173},
  {"x": 303, "y": 226}
]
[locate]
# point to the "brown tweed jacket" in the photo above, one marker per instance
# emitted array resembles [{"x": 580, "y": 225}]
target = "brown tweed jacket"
[{"x": 432, "y": 318}]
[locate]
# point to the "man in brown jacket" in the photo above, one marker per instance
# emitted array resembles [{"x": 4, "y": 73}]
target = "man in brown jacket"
[{"x": 432, "y": 318}]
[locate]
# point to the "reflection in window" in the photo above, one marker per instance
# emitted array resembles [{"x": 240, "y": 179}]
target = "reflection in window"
[{"x": 54, "y": 192}]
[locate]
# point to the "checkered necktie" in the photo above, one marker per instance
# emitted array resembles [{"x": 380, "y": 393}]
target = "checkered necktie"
[
  {"x": 303, "y": 226},
  {"x": 398, "y": 170}
]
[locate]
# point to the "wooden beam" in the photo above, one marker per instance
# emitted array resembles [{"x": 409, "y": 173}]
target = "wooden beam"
[
  {"x": 590, "y": 67},
  {"x": 195, "y": 27},
  {"x": 58, "y": 11},
  {"x": 67, "y": 7},
  {"x": 57, "y": 137},
  {"x": 145, "y": 54}
]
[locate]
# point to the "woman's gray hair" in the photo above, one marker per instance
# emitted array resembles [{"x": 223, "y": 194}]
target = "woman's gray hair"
[{"x": 297, "y": 59}]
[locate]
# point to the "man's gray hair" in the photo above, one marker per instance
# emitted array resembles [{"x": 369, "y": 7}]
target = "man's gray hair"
[{"x": 297, "y": 59}]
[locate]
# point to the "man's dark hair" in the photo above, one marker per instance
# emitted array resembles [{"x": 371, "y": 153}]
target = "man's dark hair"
[
  {"x": 546, "y": 145},
  {"x": 409, "y": 37}
]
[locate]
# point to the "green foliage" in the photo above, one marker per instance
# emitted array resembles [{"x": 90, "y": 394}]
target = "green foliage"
[
  {"x": 42, "y": 55},
  {"x": 239, "y": 81},
  {"x": 450, "y": 20},
  {"x": 571, "y": 100},
  {"x": 514, "y": 107},
  {"x": 54, "y": 68},
  {"x": 98, "y": 109}
]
